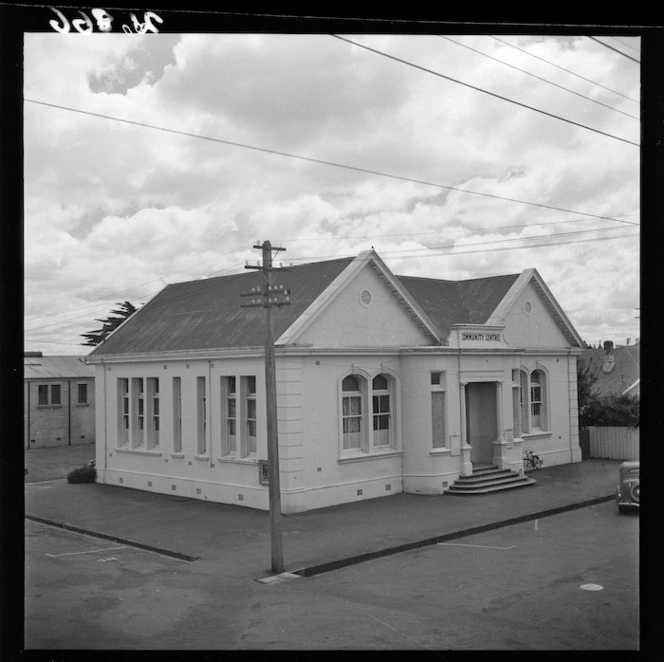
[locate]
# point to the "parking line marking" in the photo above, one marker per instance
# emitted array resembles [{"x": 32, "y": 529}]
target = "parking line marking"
[
  {"x": 458, "y": 544},
  {"x": 92, "y": 551}
]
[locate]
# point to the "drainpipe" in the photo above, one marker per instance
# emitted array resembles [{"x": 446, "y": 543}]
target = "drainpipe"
[
  {"x": 569, "y": 412},
  {"x": 208, "y": 405},
  {"x": 103, "y": 368},
  {"x": 69, "y": 410},
  {"x": 28, "y": 421}
]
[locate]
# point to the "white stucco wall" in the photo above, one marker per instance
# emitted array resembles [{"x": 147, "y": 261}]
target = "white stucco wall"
[
  {"x": 534, "y": 329},
  {"x": 347, "y": 323}
]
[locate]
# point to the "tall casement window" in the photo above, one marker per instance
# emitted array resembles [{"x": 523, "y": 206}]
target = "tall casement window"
[
  {"x": 438, "y": 414},
  {"x": 153, "y": 412},
  {"x": 382, "y": 419},
  {"x": 538, "y": 418},
  {"x": 351, "y": 412},
  {"x": 249, "y": 387},
  {"x": 239, "y": 416},
  {"x": 532, "y": 398},
  {"x": 82, "y": 394},
  {"x": 48, "y": 395},
  {"x": 201, "y": 400},
  {"x": 177, "y": 415},
  {"x": 123, "y": 411},
  {"x": 229, "y": 407},
  {"x": 138, "y": 412}
]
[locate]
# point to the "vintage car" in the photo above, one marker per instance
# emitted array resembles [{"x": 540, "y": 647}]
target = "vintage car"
[{"x": 627, "y": 492}]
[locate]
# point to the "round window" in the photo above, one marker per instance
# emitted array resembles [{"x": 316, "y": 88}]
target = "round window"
[
  {"x": 528, "y": 307},
  {"x": 365, "y": 298}
]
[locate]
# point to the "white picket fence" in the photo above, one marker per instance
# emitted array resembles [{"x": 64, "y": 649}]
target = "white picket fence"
[{"x": 614, "y": 443}]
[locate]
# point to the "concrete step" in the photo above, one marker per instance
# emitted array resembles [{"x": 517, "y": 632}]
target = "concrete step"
[
  {"x": 487, "y": 475},
  {"x": 456, "y": 490},
  {"x": 488, "y": 482}
]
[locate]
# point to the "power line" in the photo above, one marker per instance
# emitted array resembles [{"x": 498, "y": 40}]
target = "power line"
[
  {"x": 479, "y": 89},
  {"x": 631, "y": 48},
  {"x": 569, "y": 71},
  {"x": 395, "y": 253},
  {"x": 528, "y": 73},
  {"x": 323, "y": 162},
  {"x": 629, "y": 57}
]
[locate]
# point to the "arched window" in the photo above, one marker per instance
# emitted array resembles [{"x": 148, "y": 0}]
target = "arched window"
[
  {"x": 382, "y": 416},
  {"x": 351, "y": 412}
]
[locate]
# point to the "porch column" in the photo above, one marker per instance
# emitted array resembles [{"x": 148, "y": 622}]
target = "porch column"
[
  {"x": 500, "y": 458},
  {"x": 466, "y": 464}
]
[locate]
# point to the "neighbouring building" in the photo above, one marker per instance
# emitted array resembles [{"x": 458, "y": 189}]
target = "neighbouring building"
[
  {"x": 617, "y": 369},
  {"x": 384, "y": 384},
  {"x": 58, "y": 401}
]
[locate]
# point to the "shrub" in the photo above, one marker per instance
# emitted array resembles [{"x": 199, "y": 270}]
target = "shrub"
[{"x": 85, "y": 474}]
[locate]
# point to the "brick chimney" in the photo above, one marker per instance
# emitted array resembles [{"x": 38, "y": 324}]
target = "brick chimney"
[{"x": 608, "y": 346}]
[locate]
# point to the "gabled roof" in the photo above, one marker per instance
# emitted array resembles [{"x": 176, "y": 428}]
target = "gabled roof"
[
  {"x": 56, "y": 367},
  {"x": 620, "y": 375},
  {"x": 207, "y": 314},
  {"x": 449, "y": 302}
]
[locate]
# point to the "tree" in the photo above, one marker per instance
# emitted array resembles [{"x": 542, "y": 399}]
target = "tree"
[
  {"x": 585, "y": 380},
  {"x": 124, "y": 311}
]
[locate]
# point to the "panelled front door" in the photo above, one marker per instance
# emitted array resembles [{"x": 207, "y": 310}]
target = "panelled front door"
[{"x": 481, "y": 420}]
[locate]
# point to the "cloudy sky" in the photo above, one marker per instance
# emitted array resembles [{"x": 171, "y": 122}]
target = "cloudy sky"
[{"x": 115, "y": 211}]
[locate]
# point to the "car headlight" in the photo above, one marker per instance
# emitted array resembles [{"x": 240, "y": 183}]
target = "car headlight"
[{"x": 634, "y": 491}]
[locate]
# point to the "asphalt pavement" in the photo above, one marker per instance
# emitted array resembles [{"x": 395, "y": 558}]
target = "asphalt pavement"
[{"x": 237, "y": 539}]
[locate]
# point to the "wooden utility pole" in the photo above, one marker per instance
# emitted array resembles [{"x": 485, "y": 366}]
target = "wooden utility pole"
[{"x": 268, "y": 296}]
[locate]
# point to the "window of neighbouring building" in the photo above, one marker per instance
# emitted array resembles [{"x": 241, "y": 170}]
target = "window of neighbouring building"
[
  {"x": 82, "y": 394},
  {"x": 201, "y": 399},
  {"x": 48, "y": 394},
  {"x": 382, "y": 419},
  {"x": 438, "y": 414},
  {"x": 351, "y": 412},
  {"x": 177, "y": 415}
]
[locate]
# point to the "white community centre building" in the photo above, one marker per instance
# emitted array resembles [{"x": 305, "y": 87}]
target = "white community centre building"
[{"x": 385, "y": 384}]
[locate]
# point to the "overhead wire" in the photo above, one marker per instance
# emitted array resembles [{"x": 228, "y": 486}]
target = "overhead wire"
[
  {"x": 424, "y": 252},
  {"x": 479, "y": 89},
  {"x": 569, "y": 71},
  {"x": 629, "y": 57},
  {"x": 545, "y": 80},
  {"x": 324, "y": 162}
]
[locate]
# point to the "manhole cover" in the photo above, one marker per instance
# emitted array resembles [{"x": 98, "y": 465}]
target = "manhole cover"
[{"x": 592, "y": 587}]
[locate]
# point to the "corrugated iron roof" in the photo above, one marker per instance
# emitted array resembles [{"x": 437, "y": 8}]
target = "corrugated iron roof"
[
  {"x": 56, "y": 367},
  {"x": 625, "y": 372},
  {"x": 207, "y": 314},
  {"x": 449, "y": 302}
]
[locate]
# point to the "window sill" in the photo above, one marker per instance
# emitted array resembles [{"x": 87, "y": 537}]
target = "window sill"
[
  {"x": 180, "y": 455},
  {"x": 49, "y": 406},
  {"x": 376, "y": 455},
  {"x": 440, "y": 451},
  {"x": 138, "y": 451},
  {"x": 540, "y": 434},
  {"x": 202, "y": 458},
  {"x": 82, "y": 404},
  {"x": 237, "y": 460}
]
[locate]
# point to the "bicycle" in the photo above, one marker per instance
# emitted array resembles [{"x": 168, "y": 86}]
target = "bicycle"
[{"x": 529, "y": 458}]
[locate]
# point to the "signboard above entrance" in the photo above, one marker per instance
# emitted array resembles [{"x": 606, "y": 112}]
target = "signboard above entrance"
[{"x": 466, "y": 335}]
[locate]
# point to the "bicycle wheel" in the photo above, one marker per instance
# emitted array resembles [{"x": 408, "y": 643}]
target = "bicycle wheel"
[{"x": 537, "y": 462}]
